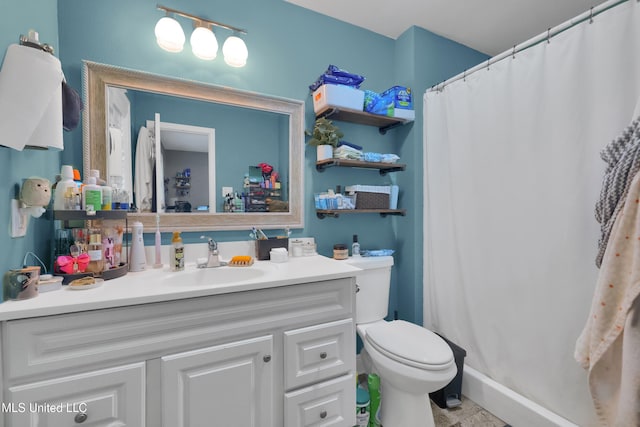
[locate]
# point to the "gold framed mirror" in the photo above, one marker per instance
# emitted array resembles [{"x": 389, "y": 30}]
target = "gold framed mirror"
[{"x": 98, "y": 78}]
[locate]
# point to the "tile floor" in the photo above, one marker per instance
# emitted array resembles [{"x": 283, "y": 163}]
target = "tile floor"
[{"x": 468, "y": 414}]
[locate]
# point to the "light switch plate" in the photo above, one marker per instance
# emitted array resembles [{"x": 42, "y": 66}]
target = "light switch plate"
[
  {"x": 19, "y": 220},
  {"x": 226, "y": 190}
]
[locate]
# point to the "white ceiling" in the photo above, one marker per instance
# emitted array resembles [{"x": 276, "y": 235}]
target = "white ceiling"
[{"x": 489, "y": 26}]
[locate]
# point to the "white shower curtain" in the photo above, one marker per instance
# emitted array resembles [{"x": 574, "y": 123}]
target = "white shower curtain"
[{"x": 512, "y": 174}]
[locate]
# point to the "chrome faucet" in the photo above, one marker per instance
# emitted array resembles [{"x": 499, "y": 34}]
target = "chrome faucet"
[{"x": 213, "y": 259}]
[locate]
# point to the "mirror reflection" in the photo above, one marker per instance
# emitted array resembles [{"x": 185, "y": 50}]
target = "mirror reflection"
[{"x": 203, "y": 156}]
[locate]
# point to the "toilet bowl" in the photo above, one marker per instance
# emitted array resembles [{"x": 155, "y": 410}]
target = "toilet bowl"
[{"x": 410, "y": 360}]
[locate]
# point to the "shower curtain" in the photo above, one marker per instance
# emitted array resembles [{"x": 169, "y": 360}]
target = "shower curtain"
[{"x": 512, "y": 175}]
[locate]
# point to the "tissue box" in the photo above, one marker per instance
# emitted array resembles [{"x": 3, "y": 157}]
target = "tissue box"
[
  {"x": 337, "y": 96},
  {"x": 263, "y": 247}
]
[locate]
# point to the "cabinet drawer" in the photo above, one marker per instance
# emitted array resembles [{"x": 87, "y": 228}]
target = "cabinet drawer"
[
  {"x": 107, "y": 397},
  {"x": 318, "y": 352},
  {"x": 331, "y": 403}
]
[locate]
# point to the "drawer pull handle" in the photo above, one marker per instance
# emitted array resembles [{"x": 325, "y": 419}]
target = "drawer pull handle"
[
  {"x": 267, "y": 358},
  {"x": 323, "y": 414},
  {"x": 80, "y": 418},
  {"x": 323, "y": 355}
]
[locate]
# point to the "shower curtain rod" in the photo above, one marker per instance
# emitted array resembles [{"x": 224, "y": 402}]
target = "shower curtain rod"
[{"x": 546, "y": 36}]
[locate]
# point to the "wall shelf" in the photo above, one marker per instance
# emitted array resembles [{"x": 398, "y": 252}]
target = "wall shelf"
[
  {"x": 335, "y": 213},
  {"x": 82, "y": 215},
  {"x": 383, "y": 123},
  {"x": 383, "y": 168}
]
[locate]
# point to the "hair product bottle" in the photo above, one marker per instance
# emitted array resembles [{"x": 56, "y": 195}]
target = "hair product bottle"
[{"x": 176, "y": 255}]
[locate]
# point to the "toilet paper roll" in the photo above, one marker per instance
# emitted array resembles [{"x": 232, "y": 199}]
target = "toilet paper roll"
[{"x": 30, "y": 99}]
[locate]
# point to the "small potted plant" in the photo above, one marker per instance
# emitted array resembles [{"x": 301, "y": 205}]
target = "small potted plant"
[{"x": 325, "y": 137}]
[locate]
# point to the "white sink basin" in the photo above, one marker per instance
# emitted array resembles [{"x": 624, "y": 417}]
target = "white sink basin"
[{"x": 193, "y": 276}]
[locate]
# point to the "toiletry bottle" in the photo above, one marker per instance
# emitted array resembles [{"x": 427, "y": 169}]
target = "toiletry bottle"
[
  {"x": 176, "y": 256},
  {"x": 355, "y": 246},
  {"x": 362, "y": 407},
  {"x": 94, "y": 250},
  {"x": 65, "y": 184},
  {"x": 107, "y": 198},
  {"x": 138, "y": 260},
  {"x": 91, "y": 195},
  {"x": 373, "y": 381}
]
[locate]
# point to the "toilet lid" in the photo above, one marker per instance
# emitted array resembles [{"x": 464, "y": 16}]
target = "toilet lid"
[{"x": 410, "y": 344}]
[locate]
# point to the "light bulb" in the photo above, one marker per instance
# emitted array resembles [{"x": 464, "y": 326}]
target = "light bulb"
[
  {"x": 203, "y": 43},
  {"x": 169, "y": 34},
  {"x": 235, "y": 52}
]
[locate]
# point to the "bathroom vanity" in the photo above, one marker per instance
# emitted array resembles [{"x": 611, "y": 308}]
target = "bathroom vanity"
[{"x": 220, "y": 347}]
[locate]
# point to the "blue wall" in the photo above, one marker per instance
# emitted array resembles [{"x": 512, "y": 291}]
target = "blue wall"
[{"x": 287, "y": 52}]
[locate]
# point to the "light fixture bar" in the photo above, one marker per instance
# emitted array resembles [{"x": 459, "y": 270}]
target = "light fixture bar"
[{"x": 198, "y": 19}]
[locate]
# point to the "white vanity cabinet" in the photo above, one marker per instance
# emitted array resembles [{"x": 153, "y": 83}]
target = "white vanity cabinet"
[{"x": 283, "y": 356}]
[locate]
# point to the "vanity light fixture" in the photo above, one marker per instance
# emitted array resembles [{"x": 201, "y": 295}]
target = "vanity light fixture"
[{"x": 170, "y": 37}]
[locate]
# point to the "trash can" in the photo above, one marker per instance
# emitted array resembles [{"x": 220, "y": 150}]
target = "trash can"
[{"x": 451, "y": 395}]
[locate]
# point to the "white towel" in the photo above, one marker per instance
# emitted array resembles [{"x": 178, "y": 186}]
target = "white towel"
[
  {"x": 609, "y": 346},
  {"x": 145, "y": 155},
  {"x": 30, "y": 99}
]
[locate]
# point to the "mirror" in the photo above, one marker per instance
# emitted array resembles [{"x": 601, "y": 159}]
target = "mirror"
[{"x": 249, "y": 109}]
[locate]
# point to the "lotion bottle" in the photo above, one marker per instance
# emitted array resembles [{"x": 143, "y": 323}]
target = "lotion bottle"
[
  {"x": 176, "y": 255},
  {"x": 355, "y": 246},
  {"x": 91, "y": 195}
]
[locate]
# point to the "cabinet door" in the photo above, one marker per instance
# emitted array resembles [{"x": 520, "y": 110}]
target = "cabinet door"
[
  {"x": 221, "y": 386},
  {"x": 105, "y": 398},
  {"x": 319, "y": 352},
  {"x": 330, "y": 403}
]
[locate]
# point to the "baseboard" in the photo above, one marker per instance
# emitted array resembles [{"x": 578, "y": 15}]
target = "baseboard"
[{"x": 506, "y": 404}]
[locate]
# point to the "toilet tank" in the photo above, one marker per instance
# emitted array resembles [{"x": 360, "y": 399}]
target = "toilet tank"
[{"x": 372, "y": 297}]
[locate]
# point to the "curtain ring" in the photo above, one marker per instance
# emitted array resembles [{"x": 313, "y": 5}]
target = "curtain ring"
[
  {"x": 464, "y": 75},
  {"x": 514, "y": 52},
  {"x": 488, "y": 64},
  {"x": 591, "y": 16},
  {"x": 549, "y": 35}
]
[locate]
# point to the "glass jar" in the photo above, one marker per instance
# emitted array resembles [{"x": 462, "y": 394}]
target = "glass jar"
[{"x": 340, "y": 251}]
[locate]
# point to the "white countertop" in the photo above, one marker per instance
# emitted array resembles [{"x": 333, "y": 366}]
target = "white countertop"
[{"x": 156, "y": 285}]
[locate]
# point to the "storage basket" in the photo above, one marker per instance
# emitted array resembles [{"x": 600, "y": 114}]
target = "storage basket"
[{"x": 365, "y": 200}]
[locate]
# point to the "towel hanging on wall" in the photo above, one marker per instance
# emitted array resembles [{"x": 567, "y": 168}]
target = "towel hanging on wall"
[{"x": 30, "y": 99}]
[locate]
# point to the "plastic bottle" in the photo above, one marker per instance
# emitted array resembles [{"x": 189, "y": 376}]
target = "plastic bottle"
[
  {"x": 373, "y": 380},
  {"x": 355, "y": 246},
  {"x": 138, "y": 260},
  {"x": 91, "y": 195},
  {"x": 65, "y": 185},
  {"x": 107, "y": 198},
  {"x": 96, "y": 262},
  {"x": 362, "y": 407},
  {"x": 176, "y": 253}
]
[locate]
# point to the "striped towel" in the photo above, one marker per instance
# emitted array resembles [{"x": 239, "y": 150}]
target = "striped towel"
[{"x": 622, "y": 156}]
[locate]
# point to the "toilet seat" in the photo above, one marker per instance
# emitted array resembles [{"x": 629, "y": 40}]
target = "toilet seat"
[{"x": 411, "y": 345}]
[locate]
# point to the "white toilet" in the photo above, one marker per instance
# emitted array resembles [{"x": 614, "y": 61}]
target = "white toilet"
[{"x": 410, "y": 360}]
